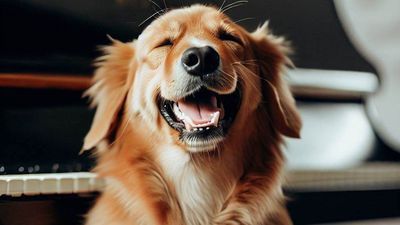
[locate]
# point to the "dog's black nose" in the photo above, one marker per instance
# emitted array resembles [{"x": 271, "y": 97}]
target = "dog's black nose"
[{"x": 200, "y": 61}]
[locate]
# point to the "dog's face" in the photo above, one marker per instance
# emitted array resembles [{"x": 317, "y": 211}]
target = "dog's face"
[
  {"x": 189, "y": 56},
  {"x": 195, "y": 77}
]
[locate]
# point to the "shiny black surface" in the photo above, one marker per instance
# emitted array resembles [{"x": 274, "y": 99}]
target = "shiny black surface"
[
  {"x": 42, "y": 131},
  {"x": 62, "y": 36}
]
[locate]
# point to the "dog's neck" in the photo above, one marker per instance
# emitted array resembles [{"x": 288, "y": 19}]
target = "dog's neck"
[{"x": 201, "y": 183}]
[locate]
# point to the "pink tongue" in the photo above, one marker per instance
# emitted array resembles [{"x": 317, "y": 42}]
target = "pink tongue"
[{"x": 199, "y": 112}]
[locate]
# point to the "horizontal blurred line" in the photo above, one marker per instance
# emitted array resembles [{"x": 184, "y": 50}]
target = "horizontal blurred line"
[
  {"x": 369, "y": 176},
  {"x": 331, "y": 84},
  {"x": 45, "y": 81}
]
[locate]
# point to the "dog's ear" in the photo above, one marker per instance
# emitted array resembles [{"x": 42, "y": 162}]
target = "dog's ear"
[
  {"x": 270, "y": 53},
  {"x": 111, "y": 83}
]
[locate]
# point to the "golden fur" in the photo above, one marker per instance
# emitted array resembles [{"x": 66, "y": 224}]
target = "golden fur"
[{"x": 154, "y": 178}]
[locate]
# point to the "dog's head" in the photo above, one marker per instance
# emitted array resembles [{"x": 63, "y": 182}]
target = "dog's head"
[{"x": 194, "y": 77}]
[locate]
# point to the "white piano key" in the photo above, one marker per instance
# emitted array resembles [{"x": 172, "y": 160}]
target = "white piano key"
[
  {"x": 82, "y": 184},
  {"x": 97, "y": 184},
  {"x": 49, "y": 186},
  {"x": 15, "y": 187},
  {"x": 65, "y": 185},
  {"x": 32, "y": 186},
  {"x": 52, "y": 183},
  {"x": 3, "y": 187}
]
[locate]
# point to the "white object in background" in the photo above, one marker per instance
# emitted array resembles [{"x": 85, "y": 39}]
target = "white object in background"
[
  {"x": 334, "y": 136},
  {"x": 336, "y": 84},
  {"x": 374, "y": 28}
]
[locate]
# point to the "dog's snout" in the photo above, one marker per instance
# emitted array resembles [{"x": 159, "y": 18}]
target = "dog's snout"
[{"x": 200, "y": 61}]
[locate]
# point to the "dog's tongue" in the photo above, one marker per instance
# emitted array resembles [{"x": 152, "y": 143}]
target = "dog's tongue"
[{"x": 201, "y": 113}]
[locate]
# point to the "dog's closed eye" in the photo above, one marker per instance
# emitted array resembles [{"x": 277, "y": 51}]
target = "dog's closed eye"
[
  {"x": 225, "y": 35},
  {"x": 165, "y": 42}
]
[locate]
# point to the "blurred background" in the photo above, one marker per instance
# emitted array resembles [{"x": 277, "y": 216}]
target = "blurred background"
[{"x": 345, "y": 168}]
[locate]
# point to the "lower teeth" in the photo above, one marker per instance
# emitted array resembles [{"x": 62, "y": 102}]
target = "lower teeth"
[{"x": 200, "y": 129}]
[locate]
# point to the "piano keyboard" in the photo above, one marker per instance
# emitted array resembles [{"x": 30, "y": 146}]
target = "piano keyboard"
[
  {"x": 51, "y": 183},
  {"x": 369, "y": 176}
]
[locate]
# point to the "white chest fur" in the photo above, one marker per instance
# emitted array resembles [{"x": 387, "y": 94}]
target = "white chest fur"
[{"x": 201, "y": 189}]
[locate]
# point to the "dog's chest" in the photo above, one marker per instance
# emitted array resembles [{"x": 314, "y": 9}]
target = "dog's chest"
[{"x": 198, "y": 193}]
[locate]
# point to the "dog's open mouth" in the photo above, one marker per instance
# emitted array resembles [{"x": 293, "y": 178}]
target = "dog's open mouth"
[{"x": 202, "y": 116}]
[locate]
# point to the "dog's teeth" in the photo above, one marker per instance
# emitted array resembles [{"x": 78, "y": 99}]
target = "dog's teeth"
[
  {"x": 207, "y": 128},
  {"x": 201, "y": 129},
  {"x": 215, "y": 119},
  {"x": 180, "y": 115},
  {"x": 188, "y": 126}
]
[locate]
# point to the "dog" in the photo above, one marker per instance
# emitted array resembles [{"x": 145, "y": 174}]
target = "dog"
[{"x": 189, "y": 124}]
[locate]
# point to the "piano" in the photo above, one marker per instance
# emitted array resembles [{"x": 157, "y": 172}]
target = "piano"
[{"x": 46, "y": 53}]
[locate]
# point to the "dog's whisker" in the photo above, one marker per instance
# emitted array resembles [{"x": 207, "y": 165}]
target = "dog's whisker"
[
  {"x": 245, "y": 62},
  {"x": 159, "y": 10},
  {"x": 222, "y": 5},
  {"x": 244, "y": 19},
  {"x": 231, "y": 7},
  {"x": 251, "y": 73},
  {"x": 165, "y": 4},
  {"x": 152, "y": 16},
  {"x": 234, "y": 5},
  {"x": 227, "y": 74},
  {"x": 155, "y": 3},
  {"x": 222, "y": 71},
  {"x": 255, "y": 75}
]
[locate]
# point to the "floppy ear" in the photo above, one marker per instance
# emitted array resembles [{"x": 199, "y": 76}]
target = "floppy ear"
[
  {"x": 111, "y": 83},
  {"x": 271, "y": 55}
]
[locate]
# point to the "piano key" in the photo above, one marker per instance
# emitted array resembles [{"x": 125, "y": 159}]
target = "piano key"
[
  {"x": 31, "y": 186},
  {"x": 15, "y": 187},
  {"x": 97, "y": 184},
  {"x": 82, "y": 185},
  {"x": 49, "y": 186},
  {"x": 65, "y": 185},
  {"x": 3, "y": 186},
  {"x": 52, "y": 183}
]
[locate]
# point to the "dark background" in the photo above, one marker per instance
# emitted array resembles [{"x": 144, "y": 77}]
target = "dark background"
[{"x": 63, "y": 35}]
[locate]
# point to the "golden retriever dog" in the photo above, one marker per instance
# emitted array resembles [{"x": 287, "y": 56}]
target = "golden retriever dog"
[{"x": 189, "y": 124}]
